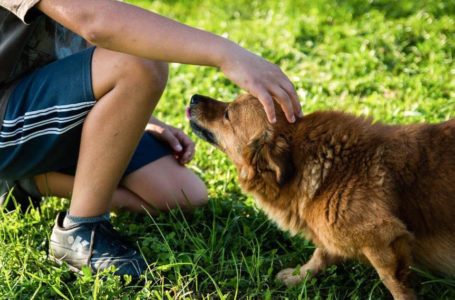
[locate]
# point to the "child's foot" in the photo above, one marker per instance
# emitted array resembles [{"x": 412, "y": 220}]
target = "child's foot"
[{"x": 97, "y": 245}]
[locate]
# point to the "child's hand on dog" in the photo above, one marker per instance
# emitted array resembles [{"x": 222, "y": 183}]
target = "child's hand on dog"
[{"x": 262, "y": 79}]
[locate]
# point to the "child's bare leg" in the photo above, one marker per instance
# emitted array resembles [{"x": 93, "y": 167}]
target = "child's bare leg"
[
  {"x": 56, "y": 184},
  {"x": 158, "y": 186},
  {"x": 318, "y": 262},
  {"x": 127, "y": 89}
]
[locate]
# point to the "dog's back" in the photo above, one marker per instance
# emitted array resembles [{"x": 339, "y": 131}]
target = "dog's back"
[{"x": 424, "y": 168}]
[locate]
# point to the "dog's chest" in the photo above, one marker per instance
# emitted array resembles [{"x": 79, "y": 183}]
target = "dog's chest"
[
  {"x": 288, "y": 218},
  {"x": 300, "y": 219}
]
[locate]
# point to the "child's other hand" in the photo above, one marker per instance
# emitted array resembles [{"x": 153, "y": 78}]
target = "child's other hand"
[
  {"x": 263, "y": 80},
  {"x": 182, "y": 145}
]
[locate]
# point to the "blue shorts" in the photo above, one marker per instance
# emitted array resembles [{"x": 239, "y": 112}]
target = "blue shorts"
[{"x": 42, "y": 125}]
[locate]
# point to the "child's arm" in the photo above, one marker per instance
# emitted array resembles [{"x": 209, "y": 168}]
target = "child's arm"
[{"x": 129, "y": 29}]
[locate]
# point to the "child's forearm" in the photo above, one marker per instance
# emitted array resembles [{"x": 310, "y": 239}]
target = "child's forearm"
[
  {"x": 129, "y": 29},
  {"x": 124, "y": 28}
]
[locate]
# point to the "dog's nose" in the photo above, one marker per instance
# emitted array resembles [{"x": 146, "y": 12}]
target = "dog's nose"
[{"x": 195, "y": 99}]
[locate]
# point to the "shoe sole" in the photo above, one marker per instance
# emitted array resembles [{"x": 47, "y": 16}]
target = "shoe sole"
[
  {"x": 61, "y": 263},
  {"x": 136, "y": 280}
]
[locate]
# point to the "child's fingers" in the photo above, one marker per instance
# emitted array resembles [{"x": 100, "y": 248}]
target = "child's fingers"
[
  {"x": 188, "y": 146},
  {"x": 284, "y": 100},
  {"x": 172, "y": 140},
  {"x": 289, "y": 88},
  {"x": 266, "y": 99}
]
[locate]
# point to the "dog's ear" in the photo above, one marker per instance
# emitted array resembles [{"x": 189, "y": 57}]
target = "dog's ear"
[{"x": 268, "y": 155}]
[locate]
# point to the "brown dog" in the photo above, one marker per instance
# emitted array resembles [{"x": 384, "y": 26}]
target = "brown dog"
[{"x": 383, "y": 194}]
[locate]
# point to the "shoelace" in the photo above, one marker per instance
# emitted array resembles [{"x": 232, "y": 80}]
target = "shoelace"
[{"x": 114, "y": 234}]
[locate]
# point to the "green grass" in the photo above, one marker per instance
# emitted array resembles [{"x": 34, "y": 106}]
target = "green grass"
[{"x": 392, "y": 60}]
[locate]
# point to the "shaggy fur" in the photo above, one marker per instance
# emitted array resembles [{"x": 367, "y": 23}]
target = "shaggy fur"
[{"x": 382, "y": 194}]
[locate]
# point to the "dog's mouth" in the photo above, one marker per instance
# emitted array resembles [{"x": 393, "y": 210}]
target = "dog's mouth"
[
  {"x": 203, "y": 133},
  {"x": 188, "y": 113},
  {"x": 200, "y": 131}
]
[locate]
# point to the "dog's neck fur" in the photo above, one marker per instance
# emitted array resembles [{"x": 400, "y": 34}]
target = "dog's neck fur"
[{"x": 317, "y": 150}]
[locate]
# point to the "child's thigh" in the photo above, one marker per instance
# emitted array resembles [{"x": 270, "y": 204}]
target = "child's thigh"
[{"x": 43, "y": 120}]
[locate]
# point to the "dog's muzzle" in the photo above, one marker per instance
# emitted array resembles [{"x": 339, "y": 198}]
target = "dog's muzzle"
[{"x": 200, "y": 131}]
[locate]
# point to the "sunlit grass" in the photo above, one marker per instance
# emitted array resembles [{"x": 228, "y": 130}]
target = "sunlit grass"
[{"x": 391, "y": 60}]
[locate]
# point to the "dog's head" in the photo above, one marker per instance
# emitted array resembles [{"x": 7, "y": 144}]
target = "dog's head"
[{"x": 241, "y": 130}]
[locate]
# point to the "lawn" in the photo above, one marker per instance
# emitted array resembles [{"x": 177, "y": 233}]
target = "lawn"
[{"x": 391, "y": 60}]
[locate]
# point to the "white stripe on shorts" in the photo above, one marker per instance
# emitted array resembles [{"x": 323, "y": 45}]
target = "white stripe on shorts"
[
  {"x": 46, "y": 111},
  {"x": 36, "y": 134},
  {"x": 41, "y": 123}
]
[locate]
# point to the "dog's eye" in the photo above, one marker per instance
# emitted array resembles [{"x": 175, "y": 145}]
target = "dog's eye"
[{"x": 226, "y": 114}]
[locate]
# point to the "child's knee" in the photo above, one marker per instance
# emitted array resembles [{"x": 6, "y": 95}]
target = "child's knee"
[
  {"x": 200, "y": 196},
  {"x": 194, "y": 192},
  {"x": 148, "y": 76},
  {"x": 114, "y": 69}
]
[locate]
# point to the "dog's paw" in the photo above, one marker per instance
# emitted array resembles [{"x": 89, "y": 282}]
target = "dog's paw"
[{"x": 289, "y": 277}]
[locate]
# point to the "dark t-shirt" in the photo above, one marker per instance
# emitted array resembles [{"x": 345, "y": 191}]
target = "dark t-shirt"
[{"x": 29, "y": 40}]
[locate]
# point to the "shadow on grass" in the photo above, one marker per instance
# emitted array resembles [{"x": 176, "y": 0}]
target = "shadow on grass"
[
  {"x": 231, "y": 248},
  {"x": 227, "y": 248}
]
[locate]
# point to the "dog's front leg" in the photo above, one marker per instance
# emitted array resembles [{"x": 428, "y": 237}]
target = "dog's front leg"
[
  {"x": 392, "y": 262},
  {"x": 320, "y": 260}
]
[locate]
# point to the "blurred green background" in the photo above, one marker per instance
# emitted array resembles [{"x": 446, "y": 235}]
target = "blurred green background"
[{"x": 392, "y": 60}]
